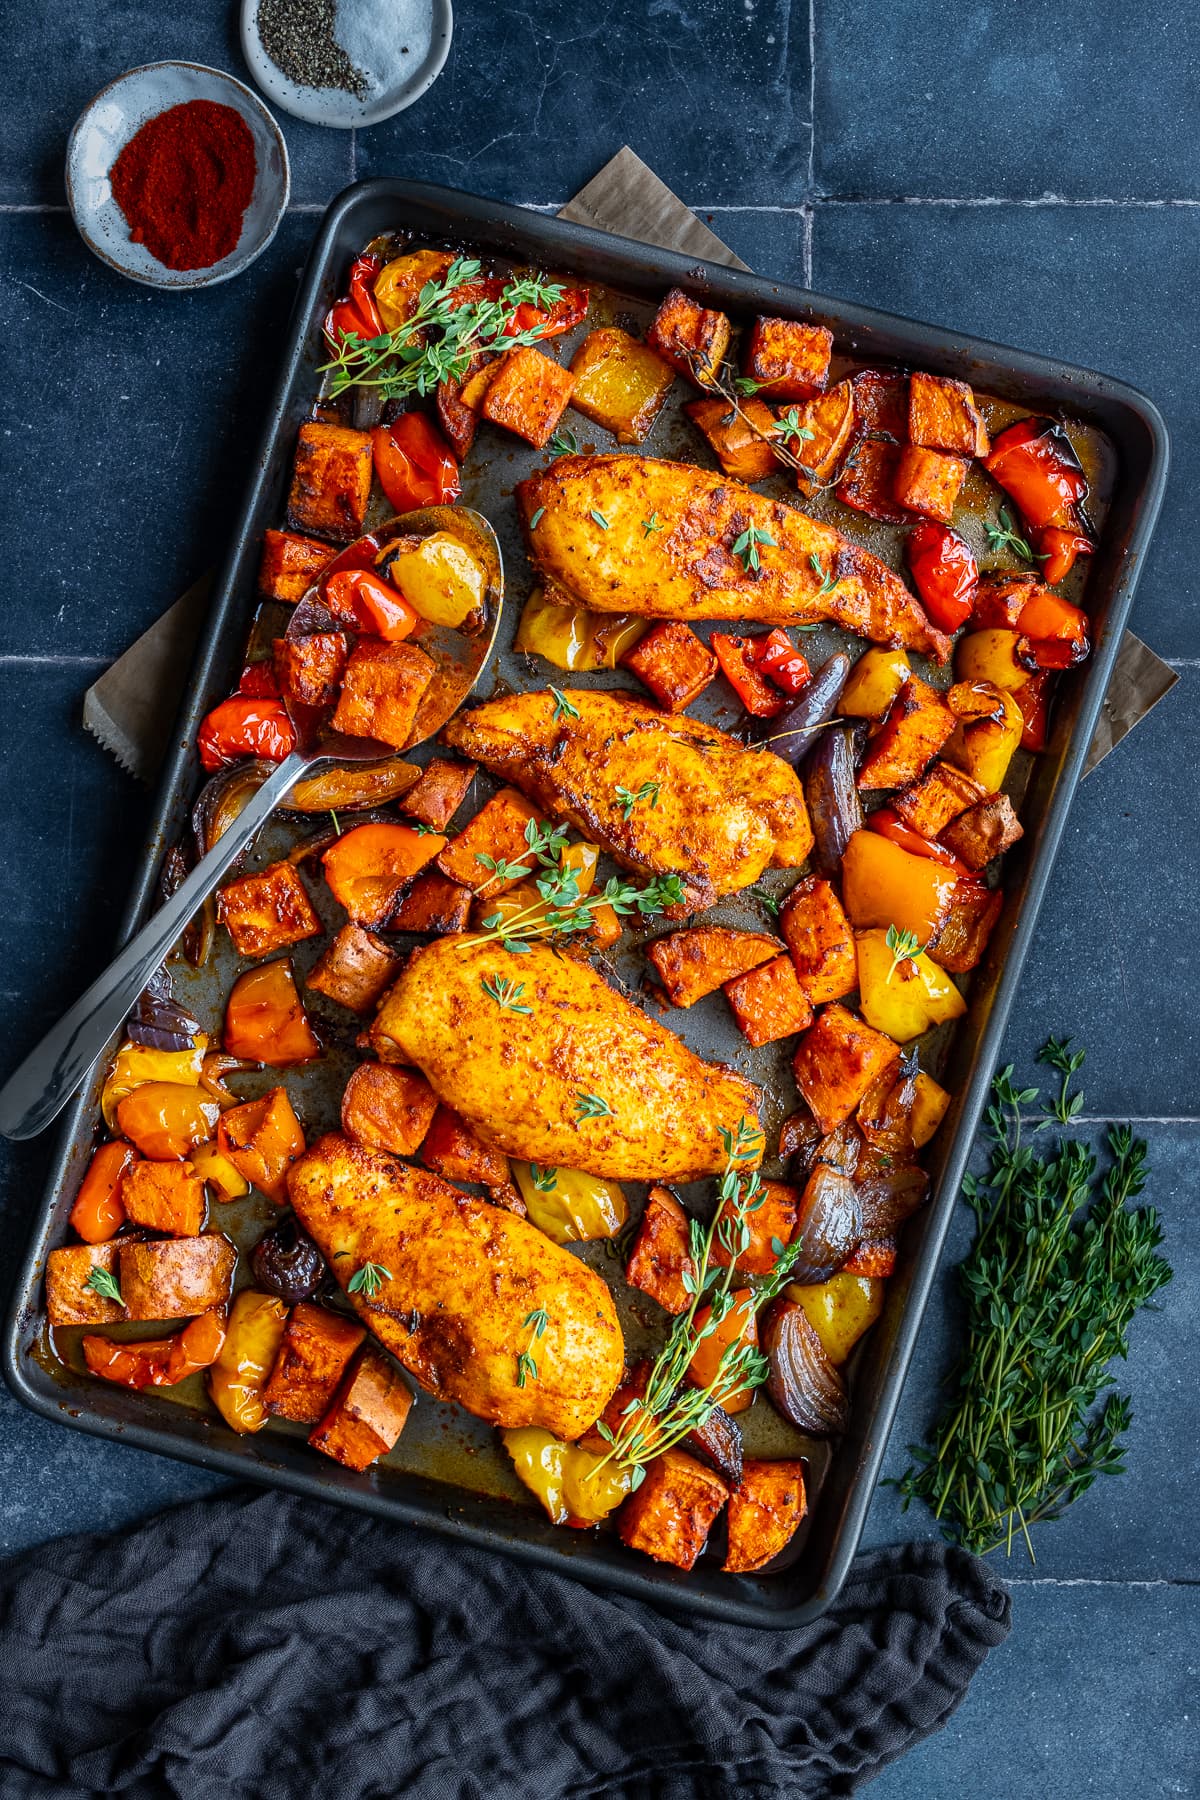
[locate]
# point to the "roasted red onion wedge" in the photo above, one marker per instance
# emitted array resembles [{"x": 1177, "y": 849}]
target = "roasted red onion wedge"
[
  {"x": 829, "y": 1225},
  {"x": 803, "y": 1382},
  {"x": 889, "y": 1197},
  {"x": 719, "y": 1442},
  {"x": 833, "y": 803}
]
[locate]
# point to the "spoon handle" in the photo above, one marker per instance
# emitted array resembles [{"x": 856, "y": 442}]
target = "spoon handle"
[{"x": 60, "y": 1064}]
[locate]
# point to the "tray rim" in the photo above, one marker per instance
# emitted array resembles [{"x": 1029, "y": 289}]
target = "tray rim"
[{"x": 655, "y": 1584}]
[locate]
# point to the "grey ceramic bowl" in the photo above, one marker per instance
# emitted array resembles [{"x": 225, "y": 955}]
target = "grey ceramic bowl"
[
  {"x": 109, "y": 121},
  {"x": 400, "y": 45}
]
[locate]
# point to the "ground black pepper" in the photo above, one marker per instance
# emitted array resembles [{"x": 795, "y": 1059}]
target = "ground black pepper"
[{"x": 298, "y": 36}]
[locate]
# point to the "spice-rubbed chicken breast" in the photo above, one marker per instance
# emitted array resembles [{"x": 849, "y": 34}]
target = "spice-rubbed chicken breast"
[
  {"x": 458, "y": 1281},
  {"x": 714, "y": 813},
  {"x": 582, "y": 1080},
  {"x": 592, "y": 541}
]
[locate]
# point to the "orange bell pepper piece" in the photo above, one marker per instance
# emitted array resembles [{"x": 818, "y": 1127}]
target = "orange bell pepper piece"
[
  {"x": 265, "y": 1020},
  {"x": 165, "y": 1119},
  {"x": 739, "y": 1325},
  {"x": 98, "y": 1214},
  {"x": 158, "y": 1362},
  {"x": 262, "y": 1139},
  {"x": 883, "y": 884}
]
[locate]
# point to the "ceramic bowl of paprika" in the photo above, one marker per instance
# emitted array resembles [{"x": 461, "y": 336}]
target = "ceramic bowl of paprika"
[{"x": 200, "y": 194}]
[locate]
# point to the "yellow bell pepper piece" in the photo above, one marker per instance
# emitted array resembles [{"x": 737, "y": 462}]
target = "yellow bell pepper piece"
[
  {"x": 840, "y": 1310},
  {"x": 984, "y": 747},
  {"x": 135, "y": 1064},
  {"x": 875, "y": 680},
  {"x": 885, "y": 885},
  {"x": 216, "y": 1169},
  {"x": 903, "y": 998},
  {"x": 564, "y": 1477},
  {"x": 398, "y": 284},
  {"x": 570, "y": 1206},
  {"x": 990, "y": 656},
  {"x": 929, "y": 1108},
  {"x": 440, "y": 579},
  {"x": 573, "y": 638},
  {"x": 237, "y": 1378}
]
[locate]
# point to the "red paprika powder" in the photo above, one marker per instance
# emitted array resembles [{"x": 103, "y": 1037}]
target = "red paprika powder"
[{"x": 184, "y": 181}]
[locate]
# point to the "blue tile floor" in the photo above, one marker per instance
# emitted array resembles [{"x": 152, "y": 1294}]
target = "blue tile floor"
[{"x": 1028, "y": 174}]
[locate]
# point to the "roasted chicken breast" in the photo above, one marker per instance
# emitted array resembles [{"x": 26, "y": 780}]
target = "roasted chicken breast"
[
  {"x": 582, "y": 1080},
  {"x": 591, "y": 543},
  {"x": 459, "y": 1279},
  {"x": 710, "y": 811}
]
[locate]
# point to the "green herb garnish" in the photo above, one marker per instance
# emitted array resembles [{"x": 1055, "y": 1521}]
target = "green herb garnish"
[
  {"x": 600, "y": 519},
  {"x": 563, "y": 443},
  {"x": 828, "y": 581},
  {"x": 544, "y": 1180},
  {"x": 506, "y": 994},
  {"x": 368, "y": 1280},
  {"x": 563, "y": 708},
  {"x": 904, "y": 945},
  {"x": 104, "y": 1283},
  {"x": 1005, "y": 536},
  {"x": 591, "y": 1106},
  {"x": 648, "y": 791},
  {"x": 746, "y": 547},
  {"x": 651, "y": 524}
]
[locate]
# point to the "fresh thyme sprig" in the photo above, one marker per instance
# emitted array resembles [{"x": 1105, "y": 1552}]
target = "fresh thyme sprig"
[
  {"x": 527, "y": 1369},
  {"x": 1060, "y": 1265},
  {"x": 628, "y": 799},
  {"x": 563, "y": 443},
  {"x": 592, "y": 1106},
  {"x": 104, "y": 1283},
  {"x": 828, "y": 579},
  {"x": 1005, "y": 536},
  {"x": 746, "y": 546},
  {"x": 904, "y": 945},
  {"x": 506, "y": 994},
  {"x": 368, "y": 1280}
]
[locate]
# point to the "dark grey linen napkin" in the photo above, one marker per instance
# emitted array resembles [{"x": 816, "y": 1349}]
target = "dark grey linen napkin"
[{"x": 260, "y": 1647}]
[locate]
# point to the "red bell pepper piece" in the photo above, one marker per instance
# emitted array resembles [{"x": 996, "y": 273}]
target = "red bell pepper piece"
[
  {"x": 776, "y": 657},
  {"x": 245, "y": 726},
  {"x": 1047, "y": 615},
  {"x": 890, "y": 825},
  {"x": 1028, "y": 462},
  {"x": 415, "y": 464},
  {"x": 258, "y": 682},
  {"x": 945, "y": 571},
  {"x": 737, "y": 659},
  {"x": 548, "y": 322},
  {"x": 365, "y": 601},
  {"x": 1034, "y": 702},
  {"x": 158, "y": 1362},
  {"x": 1058, "y": 549},
  {"x": 1051, "y": 653},
  {"x": 357, "y": 315}
]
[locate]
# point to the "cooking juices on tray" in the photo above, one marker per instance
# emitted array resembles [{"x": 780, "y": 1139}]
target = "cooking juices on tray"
[{"x": 495, "y": 1056}]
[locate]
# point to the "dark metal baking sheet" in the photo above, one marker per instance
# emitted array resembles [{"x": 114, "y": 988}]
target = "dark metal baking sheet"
[{"x": 452, "y": 1475}]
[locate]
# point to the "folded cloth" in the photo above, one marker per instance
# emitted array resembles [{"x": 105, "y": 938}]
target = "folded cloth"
[{"x": 264, "y": 1647}]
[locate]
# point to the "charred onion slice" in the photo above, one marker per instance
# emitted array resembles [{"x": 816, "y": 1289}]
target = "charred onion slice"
[
  {"x": 158, "y": 1020},
  {"x": 344, "y": 789},
  {"x": 803, "y": 1382},
  {"x": 719, "y": 1442},
  {"x": 832, "y": 795},
  {"x": 222, "y": 798},
  {"x": 794, "y": 733},
  {"x": 890, "y": 1196},
  {"x": 829, "y": 1225}
]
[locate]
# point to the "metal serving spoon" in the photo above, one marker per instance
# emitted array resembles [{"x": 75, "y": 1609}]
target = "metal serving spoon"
[{"x": 57, "y": 1068}]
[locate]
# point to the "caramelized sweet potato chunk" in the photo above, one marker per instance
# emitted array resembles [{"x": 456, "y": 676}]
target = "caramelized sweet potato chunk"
[
  {"x": 830, "y": 419},
  {"x": 176, "y": 1278},
  {"x": 771, "y": 1223},
  {"x": 368, "y": 868},
  {"x": 317, "y": 1345},
  {"x": 673, "y": 663},
  {"x": 433, "y": 903},
  {"x": 528, "y": 394},
  {"x": 985, "y": 830},
  {"x": 381, "y": 691},
  {"x": 439, "y": 793},
  {"x": 744, "y": 453},
  {"x": 693, "y": 338},
  {"x": 787, "y": 358},
  {"x": 69, "y": 1299},
  {"x": 495, "y": 835},
  {"x": 331, "y": 480},
  {"x": 769, "y": 1003},
  {"x": 874, "y": 1257},
  {"x": 819, "y": 939},
  {"x": 670, "y": 1515},
  {"x": 452, "y": 1150},
  {"x": 765, "y": 1512},
  {"x": 927, "y": 482},
  {"x": 267, "y": 911},
  {"x": 262, "y": 1139},
  {"x": 355, "y": 969},
  {"x": 836, "y": 1062},
  {"x": 289, "y": 564},
  {"x": 738, "y": 1326},
  {"x": 387, "y": 1108},
  {"x": 868, "y": 482},
  {"x": 917, "y": 724},
  {"x": 619, "y": 383},
  {"x": 942, "y": 415},
  {"x": 368, "y": 1412},
  {"x": 963, "y": 937},
  {"x": 881, "y": 402},
  {"x": 308, "y": 669},
  {"x": 660, "y": 1252},
  {"x": 696, "y": 962},
  {"x": 941, "y": 794},
  {"x": 164, "y": 1196}
]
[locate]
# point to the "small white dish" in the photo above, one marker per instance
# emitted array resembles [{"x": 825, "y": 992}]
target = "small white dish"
[
  {"x": 400, "y": 45},
  {"x": 119, "y": 111}
]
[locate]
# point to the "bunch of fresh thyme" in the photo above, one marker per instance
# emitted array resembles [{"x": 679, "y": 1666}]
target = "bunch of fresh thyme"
[
  {"x": 1059, "y": 1267},
  {"x": 443, "y": 335}
]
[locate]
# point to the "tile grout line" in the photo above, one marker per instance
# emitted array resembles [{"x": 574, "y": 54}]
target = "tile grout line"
[
  {"x": 812, "y": 110},
  {"x": 806, "y": 206}
]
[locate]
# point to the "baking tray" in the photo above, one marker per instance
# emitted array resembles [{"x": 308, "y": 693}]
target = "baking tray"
[{"x": 453, "y": 1478}]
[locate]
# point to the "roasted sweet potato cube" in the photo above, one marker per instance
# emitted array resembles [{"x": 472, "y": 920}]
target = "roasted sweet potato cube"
[
  {"x": 985, "y": 830},
  {"x": 164, "y": 1196},
  {"x": 381, "y": 690},
  {"x": 769, "y": 1002},
  {"x": 942, "y": 415},
  {"x": 787, "y": 358},
  {"x": 874, "y": 1257},
  {"x": 355, "y": 969},
  {"x": 451, "y": 1149},
  {"x": 927, "y": 482},
  {"x": 744, "y": 453},
  {"x": 673, "y": 663},
  {"x": 1002, "y": 596},
  {"x": 917, "y": 724},
  {"x": 819, "y": 940},
  {"x": 696, "y": 962},
  {"x": 868, "y": 482},
  {"x": 941, "y": 794},
  {"x": 964, "y": 934},
  {"x": 495, "y": 837},
  {"x": 836, "y": 1062},
  {"x": 771, "y": 1222},
  {"x": 508, "y": 1197},
  {"x": 433, "y": 903},
  {"x": 601, "y": 934},
  {"x": 309, "y": 669},
  {"x": 267, "y": 911},
  {"x": 528, "y": 394},
  {"x": 660, "y": 1252},
  {"x": 69, "y": 1299},
  {"x": 388, "y": 1109},
  {"x": 765, "y": 1512},
  {"x": 262, "y": 1139},
  {"x": 289, "y": 564},
  {"x": 368, "y": 1413},
  {"x": 317, "y": 1346},
  {"x": 457, "y": 418},
  {"x": 176, "y": 1278},
  {"x": 693, "y": 338},
  {"x": 829, "y": 420},
  {"x": 368, "y": 868},
  {"x": 439, "y": 793},
  {"x": 671, "y": 1514},
  {"x": 619, "y": 383},
  {"x": 331, "y": 480},
  {"x": 881, "y": 402}
]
